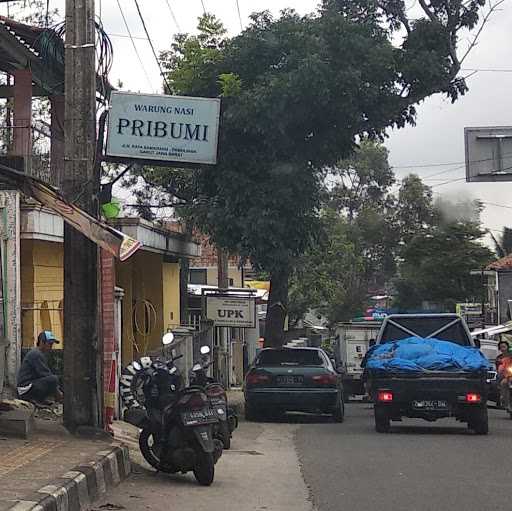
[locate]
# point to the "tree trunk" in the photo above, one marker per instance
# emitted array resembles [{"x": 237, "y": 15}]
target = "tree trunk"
[{"x": 277, "y": 308}]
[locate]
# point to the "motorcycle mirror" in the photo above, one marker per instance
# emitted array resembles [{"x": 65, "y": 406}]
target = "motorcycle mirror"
[
  {"x": 136, "y": 366},
  {"x": 168, "y": 338},
  {"x": 205, "y": 350}
]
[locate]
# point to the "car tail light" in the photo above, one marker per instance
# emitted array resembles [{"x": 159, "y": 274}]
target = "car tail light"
[
  {"x": 257, "y": 379},
  {"x": 471, "y": 397},
  {"x": 384, "y": 396},
  {"x": 325, "y": 379}
]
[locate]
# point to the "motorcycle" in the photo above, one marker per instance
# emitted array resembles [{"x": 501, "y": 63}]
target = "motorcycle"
[
  {"x": 217, "y": 397},
  {"x": 177, "y": 422},
  {"x": 508, "y": 376}
]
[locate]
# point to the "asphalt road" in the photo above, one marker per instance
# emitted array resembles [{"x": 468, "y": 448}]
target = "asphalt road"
[
  {"x": 419, "y": 466},
  {"x": 307, "y": 463}
]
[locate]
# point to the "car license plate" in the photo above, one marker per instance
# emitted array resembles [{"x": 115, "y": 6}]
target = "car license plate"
[
  {"x": 430, "y": 404},
  {"x": 194, "y": 417},
  {"x": 290, "y": 380}
]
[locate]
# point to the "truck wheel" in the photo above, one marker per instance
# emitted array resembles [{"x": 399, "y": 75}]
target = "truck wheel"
[
  {"x": 479, "y": 422},
  {"x": 381, "y": 420}
]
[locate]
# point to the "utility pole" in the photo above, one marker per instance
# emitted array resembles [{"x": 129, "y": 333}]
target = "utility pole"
[
  {"x": 80, "y": 185},
  {"x": 222, "y": 332}
]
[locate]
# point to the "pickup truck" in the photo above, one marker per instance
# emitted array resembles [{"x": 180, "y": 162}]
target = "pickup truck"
[{"x": 428, "y": 395}]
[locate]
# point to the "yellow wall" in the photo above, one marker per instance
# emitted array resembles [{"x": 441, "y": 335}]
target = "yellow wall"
[
  {"x": 151, "y": 292},
  {"x": 42, "y": 289},
  {"x": 149, "y": 285},
  {"x": 171, "y": 295}
]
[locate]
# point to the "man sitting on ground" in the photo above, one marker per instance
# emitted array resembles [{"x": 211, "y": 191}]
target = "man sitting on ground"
[{"x": 36, "y": 382}]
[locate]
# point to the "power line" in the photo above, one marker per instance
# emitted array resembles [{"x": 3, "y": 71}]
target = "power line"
[
  {"x": 444, "y": 172},
  {"x": 478, "y": 70},
  {"x": 151, "y": 44},
  {"x": 496, "y": 205},
  {"x": 449, "y": 181},
  {"x": 126, "y": 36},
  {"x": 461, "y": 163},
  {"x": 463, "y": 178},
  {"x": 134, "y": 45},
  {"x": 173, "y": 15},
  {"x": 239, "y": 15}
]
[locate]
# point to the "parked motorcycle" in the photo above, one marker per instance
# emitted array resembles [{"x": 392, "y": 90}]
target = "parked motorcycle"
[
  {"x": 228, "y": 420},
  {"x": 177, "y": 422}
]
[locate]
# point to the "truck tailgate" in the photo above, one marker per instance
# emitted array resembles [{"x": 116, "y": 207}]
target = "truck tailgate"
[{"x": 446, "y": 386}]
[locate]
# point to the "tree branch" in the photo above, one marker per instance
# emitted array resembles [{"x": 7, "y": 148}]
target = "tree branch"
[
  {"x": 474, "y": 42},
  {"x": 428, "y": 11}
]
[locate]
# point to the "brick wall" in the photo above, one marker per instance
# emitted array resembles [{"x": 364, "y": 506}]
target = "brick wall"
[{"x": 108, "y": 330}]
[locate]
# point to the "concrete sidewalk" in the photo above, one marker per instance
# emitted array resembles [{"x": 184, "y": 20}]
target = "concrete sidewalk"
[{"x": 54, "y": 470}]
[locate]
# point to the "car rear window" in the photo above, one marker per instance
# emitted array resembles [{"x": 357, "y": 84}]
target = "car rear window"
[
  {"x": 290, "y": 357},
  {"x": 426, "y": 326}
]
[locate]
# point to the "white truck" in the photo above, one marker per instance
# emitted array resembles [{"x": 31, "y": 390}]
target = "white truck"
[{"x": 352, "y": 341}]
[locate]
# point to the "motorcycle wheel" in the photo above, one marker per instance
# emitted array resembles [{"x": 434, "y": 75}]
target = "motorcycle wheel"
[
  {"x": 204, "y": 471},
  {"x": 146, "y": 445},
  {"x": 225, "y": 435}
]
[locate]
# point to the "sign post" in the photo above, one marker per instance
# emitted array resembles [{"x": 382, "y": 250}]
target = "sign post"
[
  {"x": 231, "y": 311},
  {"x": 163, "y": 129}
]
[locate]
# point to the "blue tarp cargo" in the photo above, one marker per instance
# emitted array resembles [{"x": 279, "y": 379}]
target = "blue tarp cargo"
[{"x": 416, "y": 354}]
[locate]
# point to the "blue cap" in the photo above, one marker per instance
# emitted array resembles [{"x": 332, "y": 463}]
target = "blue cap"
[{"x": 47, "y": 337}]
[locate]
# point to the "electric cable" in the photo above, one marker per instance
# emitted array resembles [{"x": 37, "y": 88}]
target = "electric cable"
[
  {"x": 462, "y": 163},
  {"x": 173, "y": 15},
  {"x": 239, "y": 15},
  {"x": 134, "y": 45},
  {"x": 152, "y": 46}
]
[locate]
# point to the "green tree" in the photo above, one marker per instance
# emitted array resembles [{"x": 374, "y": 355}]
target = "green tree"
[
  {"x": 362, "y": 179},
  {"x": 437, "y": 262},
  {"x": 331, "y": 277},
  {"x": 415, "y": 211},
  {"x": 307, "y": 88},
  {"x": 357, "y": 252}
]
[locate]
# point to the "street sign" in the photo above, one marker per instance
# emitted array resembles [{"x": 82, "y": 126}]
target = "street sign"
[
  {"x": 231, "y": 311},
  {"x": 488, "y": 154},
  {"x": 167, "y": 129}
]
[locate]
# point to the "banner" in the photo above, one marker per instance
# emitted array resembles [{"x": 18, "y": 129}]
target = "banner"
[{"x": 106, "y": 237}]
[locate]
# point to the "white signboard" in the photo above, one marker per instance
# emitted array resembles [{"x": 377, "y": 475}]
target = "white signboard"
[
  {"x": 163, "y": 128},
  {"x": 239, "y": 312}
]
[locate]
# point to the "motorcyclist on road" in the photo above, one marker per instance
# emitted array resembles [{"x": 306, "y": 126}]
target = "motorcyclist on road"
[{"x": 503, "y": 364}]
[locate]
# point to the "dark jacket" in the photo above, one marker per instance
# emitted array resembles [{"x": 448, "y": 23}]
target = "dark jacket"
[{"x": 33, "y": 367}]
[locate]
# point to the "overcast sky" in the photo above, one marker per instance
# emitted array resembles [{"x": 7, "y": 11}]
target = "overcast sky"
[{"x": 436, "y": 139}]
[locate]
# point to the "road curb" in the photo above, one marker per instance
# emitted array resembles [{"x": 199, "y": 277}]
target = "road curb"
[{"x": 80, "y": 487}]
